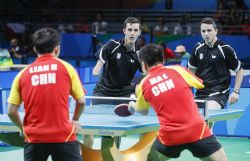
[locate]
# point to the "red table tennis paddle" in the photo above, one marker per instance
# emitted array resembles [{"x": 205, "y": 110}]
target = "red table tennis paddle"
[{"x": 122, "y": 110}]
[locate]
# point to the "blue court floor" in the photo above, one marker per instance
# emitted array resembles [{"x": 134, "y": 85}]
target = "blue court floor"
[{"x": 237, "y": 149}]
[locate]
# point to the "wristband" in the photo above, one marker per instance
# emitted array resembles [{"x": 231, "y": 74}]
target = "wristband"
[{"x": 236, "y": 91}]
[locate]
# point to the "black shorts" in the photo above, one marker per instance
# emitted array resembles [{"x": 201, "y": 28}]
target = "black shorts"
[
  {"x": 220, "y": 98},
  {"x": 69, "y": 151},
  {"x": 102, "y": 91},
  {"x": 201, "y": 148}
]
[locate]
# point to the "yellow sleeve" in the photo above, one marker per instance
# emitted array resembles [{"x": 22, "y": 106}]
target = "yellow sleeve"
[
  {"x": 77, "y": 90},
  {"x": 15, "y": 96},
  {"x": 189, "y": 77},
  {"x": 141, "y": 103}
]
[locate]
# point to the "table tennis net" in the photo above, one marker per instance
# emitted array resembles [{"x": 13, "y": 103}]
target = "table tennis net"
[{"x": 103, "y": 105}]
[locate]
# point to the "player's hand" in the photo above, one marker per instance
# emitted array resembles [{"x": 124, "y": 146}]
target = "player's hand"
[
  {"x": 131, "y": 107},
  {"x": 233, "y": 98},
  {"x": 77, "y": 126}
]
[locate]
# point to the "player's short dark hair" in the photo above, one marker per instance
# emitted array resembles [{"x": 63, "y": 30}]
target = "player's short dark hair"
[
  {"x": 131, "y": 20},
  {"x": 151, "y": 54},
  {"x": 209, "y": 20},
  {"x": 45, "y": 40}
]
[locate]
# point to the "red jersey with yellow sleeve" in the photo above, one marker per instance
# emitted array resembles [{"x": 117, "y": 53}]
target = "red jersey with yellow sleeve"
[
  {"x": 44, "y": 88},
  {"x": 167, "y": 91}
]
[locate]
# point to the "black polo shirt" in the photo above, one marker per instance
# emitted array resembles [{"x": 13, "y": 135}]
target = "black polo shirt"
[
  {"x": 213, "y": 66},
  {"x": 119, "y": 66}
]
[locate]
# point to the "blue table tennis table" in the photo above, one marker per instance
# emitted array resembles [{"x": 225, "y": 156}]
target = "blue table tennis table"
[{"x": 101, "y": 121}]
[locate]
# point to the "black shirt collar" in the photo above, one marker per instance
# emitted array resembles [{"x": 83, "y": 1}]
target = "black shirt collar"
[
  {"x": 137, "y": 47},
  {"x": 215, "y": 44}
]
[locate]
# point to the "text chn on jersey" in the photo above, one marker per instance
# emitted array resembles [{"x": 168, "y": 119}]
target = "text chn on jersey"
[
  {"x": 44, "y": 74},
  {"x": 161, "y": 84}
]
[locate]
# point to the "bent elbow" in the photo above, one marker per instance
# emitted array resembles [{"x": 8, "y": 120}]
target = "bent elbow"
[
  {"x": 95, "y": 73},
  {"x": 81, "y": 102},
  {"x": 10, "y": 113}
]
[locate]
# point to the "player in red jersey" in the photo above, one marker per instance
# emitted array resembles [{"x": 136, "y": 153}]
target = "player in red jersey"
[
  {"x": 167, "y": 91},
  {"x": 44, "y": 88}
]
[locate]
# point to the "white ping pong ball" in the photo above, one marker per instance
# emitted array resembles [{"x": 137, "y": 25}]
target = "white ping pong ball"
[{"x": 132, "y": 96}]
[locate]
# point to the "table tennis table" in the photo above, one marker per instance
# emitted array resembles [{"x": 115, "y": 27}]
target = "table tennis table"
[{"x": 101, "y": 121}]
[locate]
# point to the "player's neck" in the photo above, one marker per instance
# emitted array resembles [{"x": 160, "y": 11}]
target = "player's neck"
[
  {"x": 211, "y": 44},
  {"x": 130, "y": 46}
]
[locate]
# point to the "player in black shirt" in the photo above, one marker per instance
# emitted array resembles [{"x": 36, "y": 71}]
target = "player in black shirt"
[
  {"x": 212, "y": 60},
  {"x": 119, "y": 63}
]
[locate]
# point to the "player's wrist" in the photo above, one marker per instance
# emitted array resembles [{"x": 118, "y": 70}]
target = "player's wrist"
[
  {"x": 236, "y": 91},
  {"x": 131, "y": 107},
  {"x": 75, "y": 119}
]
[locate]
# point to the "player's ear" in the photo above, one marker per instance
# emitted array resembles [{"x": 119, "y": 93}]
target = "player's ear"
[
  {"x": 124, "y": 30},
  {"x": 216, "y": 30},
  {"x": 144, "y": 67},
  {"x": 57, "y": 50},
  {"x": 139, "y": 32},
  {"x": 34, "y": 49}
]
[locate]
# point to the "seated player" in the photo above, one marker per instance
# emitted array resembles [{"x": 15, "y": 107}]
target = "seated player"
[{"x": 167, "y": 91}]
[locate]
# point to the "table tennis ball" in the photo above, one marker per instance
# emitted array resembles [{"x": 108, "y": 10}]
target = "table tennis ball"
[{"x": 132, "y": 96}]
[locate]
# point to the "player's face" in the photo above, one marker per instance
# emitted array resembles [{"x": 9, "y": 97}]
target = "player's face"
[
  {"x": 132, "y": 31},
  {"x": 208, "y": 33}
]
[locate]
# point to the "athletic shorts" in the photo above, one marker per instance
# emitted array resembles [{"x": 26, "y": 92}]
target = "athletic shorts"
[
  {"x": 219, "y": 98},
  {"x": 102, "y": 91},
  {"x": 201, "y": 148},
  {"x": 69, "y": 151}
]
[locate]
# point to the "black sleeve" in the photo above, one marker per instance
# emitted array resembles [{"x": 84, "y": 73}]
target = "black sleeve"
[
  {"x": 192, "y": 63},
  {"x": 103, "y": 54},
  {"x": 231, "y": 59}
]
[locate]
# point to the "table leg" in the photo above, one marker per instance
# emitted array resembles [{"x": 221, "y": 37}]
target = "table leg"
[
  {"x": 141, "y": 151},
  {"x": 106, "y": 145},
  {"x": 138, "y": 152},
  {"x": 104, "y": 154}
]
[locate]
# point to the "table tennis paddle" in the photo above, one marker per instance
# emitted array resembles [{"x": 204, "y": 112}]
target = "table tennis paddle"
[{"x": 122, "y": 110}]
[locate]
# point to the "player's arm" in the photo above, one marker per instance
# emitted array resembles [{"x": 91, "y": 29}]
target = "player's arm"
[
  {"x": 80, "y": 104},
  {"x": 14, "y": 115},
  {"x": 235, "y": 65},
  {"x": 14, "y": 102},
  {"x": 238, "y": 79},
  {"x": 98, "y": 67},
  {"x": 103, "y": 55},
  {"x": 77, "y": 92},
  {"x": 192, "y": 63},
  {"x": 234, "y": 96},
  {"x": 140, "y": 105}
]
